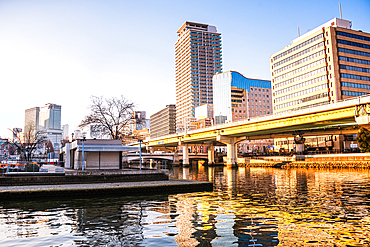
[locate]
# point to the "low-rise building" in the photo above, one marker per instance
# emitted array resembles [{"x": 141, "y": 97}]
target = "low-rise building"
[
  {"x": 163, "y": 122},
  {"x": 98, "y": 154}
]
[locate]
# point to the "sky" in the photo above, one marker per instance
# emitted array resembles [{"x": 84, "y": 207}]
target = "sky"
[{"x": 64, "y": 52}]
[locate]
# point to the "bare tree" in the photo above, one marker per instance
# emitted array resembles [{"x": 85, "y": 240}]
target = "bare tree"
[
  {"x": 112, "y": 116},
  {"x": 32, "y": 138},
  {"x": 49, "y": 147}
]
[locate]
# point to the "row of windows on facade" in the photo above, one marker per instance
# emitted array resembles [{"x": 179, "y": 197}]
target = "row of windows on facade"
[
  {"x": 258, "y": 95},
  {"x": 303, "y": 68},
  {"x": 202, "y": 58},
  {"x": 355, "y": 77},
  {"x": 351, "y": 93},
  {"x": 353, "y": 68},
  {"x": 300, "y": 85},
  {"x": 355, "y": 85},
  {"x": 205, "y": 61},
  {"x": 256, "y": 101},
  {"x": 354, "y": 60},
  {"x": 303, "y": 60},
  {"x": 203, "y": 41},
  {"x": 324, "y": 102},
  {"x": 302, "y": 92},
  {"x": 259, "y": 89},
  {"x": 250, "y": 106},
  {"x": 298, "y": 78},
  {"x": 206, "y": 33},
  {"x": 350, "y": 43},
  {"x": 299, "y": 46},
  {"x": 201, "y": 49},
  {"x": 303, "y": 100},
  {"x": 249, "y": 111},
  {"x": 314, "y": 47},
  {"x": 354, "y": 36},
  {"x": 204, "y": 51},
  {"x": 354, "y": 52},
  {"x": 209, "y": 66},
  {"x": 199, "y": 44},
  {"x": 218, "y": 39}
]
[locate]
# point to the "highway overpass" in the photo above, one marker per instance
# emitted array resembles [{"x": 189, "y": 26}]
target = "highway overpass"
[{"x": 340, "y": 118}]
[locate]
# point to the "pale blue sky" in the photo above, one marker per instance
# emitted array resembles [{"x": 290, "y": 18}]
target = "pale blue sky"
[{"x": 63, "y": 51}]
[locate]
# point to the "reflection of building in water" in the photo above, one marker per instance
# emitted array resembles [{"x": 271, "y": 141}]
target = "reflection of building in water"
[
  {"x": 232, "y": 179},
  {"x": 286, "y": 185},
  {"x": 184, "y": 222}
]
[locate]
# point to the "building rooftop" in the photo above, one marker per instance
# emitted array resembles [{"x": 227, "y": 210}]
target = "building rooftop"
[{"x": 336, "y": 22}]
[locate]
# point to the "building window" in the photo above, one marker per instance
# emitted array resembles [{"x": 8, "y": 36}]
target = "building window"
[{"x": 351, "y": 93}]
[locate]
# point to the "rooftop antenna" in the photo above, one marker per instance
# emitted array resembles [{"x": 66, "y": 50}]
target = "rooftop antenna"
[
  {"x": 340, "y": 11},
  {"x": 298, "y": 33}
]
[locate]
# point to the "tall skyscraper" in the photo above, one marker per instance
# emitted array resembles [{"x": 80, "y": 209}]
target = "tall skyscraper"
[
  {"x": 47, "y": 119},
  {"x": 197, "y": 58},
  {"x": 326, "y": 65}
]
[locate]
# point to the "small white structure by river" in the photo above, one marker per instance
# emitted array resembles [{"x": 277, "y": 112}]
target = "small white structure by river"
[{"x": 98, "y": 154}]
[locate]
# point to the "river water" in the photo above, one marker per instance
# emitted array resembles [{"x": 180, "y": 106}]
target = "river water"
[{"x": 248, "y": 207}]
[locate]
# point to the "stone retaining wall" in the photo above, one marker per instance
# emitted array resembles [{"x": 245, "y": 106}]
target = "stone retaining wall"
[{"x": 81, "y": 178}]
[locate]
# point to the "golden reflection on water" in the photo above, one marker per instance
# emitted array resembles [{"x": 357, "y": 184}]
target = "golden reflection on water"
[
  {"x": 278, "y": 207},
  {"x": 248, "y": 206}
]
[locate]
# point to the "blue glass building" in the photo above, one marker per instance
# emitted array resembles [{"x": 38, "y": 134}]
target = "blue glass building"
[{"x": 236, "y": 97}]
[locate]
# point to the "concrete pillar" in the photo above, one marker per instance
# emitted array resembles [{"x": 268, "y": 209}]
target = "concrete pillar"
[
  {"x": 211, "y": 155},
  {"x": 231, "y": 144},
  {"x": 185, "y": 155}
]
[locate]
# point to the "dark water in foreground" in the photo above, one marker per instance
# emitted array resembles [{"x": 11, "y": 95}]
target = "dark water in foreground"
[{"x": 248, "y": 207}]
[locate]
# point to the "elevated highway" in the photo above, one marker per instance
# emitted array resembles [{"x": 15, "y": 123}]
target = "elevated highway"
[{"x": 340, "y": 118}]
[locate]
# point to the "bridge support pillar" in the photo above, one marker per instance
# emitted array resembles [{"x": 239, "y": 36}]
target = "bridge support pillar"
[
  {"x": 231, "y": 144},
  {"x": 185, "y": 155},
  {"x": 211, "y": 155}
]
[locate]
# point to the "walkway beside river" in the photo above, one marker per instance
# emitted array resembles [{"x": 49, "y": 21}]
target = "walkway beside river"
[{"x": 121, "y": 188}]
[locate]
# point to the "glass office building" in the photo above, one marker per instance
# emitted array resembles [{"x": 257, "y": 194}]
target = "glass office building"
[{"x": 236, "y": 97}]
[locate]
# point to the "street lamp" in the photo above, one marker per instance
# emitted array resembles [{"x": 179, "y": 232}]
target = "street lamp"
[
  {"x": 83, "y": 152},
  {"x": 140, "y": 151}
]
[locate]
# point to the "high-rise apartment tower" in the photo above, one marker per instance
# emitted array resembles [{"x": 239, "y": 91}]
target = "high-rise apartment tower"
[
  {"x": 326, "y": 65},
  {"x": 198, "y": 58}
]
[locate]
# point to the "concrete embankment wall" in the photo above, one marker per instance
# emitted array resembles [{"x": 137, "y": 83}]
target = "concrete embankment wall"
[
  {"x": 87, "y": 177},
  {"x": 103, "y": 189}
]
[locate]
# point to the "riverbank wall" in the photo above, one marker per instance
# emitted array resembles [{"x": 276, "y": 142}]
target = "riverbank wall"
[
  {"x": 84, "y": 177},
  {"x": 169, "y": 186}
]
